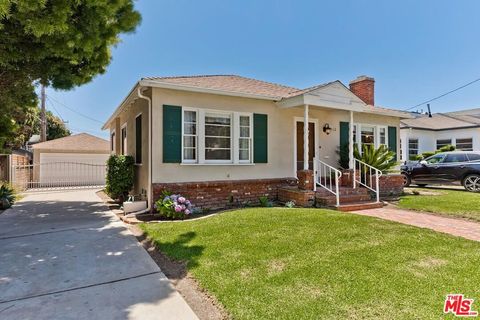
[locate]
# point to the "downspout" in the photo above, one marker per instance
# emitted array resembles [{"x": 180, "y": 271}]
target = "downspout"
[{"x": 149, "y": 189}]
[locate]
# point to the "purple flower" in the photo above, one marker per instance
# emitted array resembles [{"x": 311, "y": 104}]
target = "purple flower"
[
  {"x": 187, "y": 211},
  {"x": 181, "y": 199},
  {"x": 183, "y": 207},
  {"x": 166, "y": 198},
  {"x": 187, "y": 202},
  {"x": 174, "y": 197},
  {"x": 178, "y": 208}
]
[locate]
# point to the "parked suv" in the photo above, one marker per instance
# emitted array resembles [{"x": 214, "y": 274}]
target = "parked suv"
[{"x": 445, "y": 168}]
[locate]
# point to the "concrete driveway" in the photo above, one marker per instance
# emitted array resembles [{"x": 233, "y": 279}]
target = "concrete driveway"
[{"x": 65, "y": 255}]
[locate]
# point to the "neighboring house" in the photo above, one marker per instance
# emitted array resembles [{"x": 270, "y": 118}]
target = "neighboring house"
[
  {"x": 230, "y": 138},
  {"x": 423, "y": 133},
  {"x": 70, "y": 160}
]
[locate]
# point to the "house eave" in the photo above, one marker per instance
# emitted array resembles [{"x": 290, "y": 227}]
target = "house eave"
[
  {"x": 442, "y": 129},
  {"x": 120, "y": 107}
]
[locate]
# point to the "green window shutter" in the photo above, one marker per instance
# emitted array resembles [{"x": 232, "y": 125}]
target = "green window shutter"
[
  {"x": 260, "y": 138},
  {"x": 392, "y": 140},
  {"x": 344, "y": 142},
  {"x": 138, "y": 139},
  {"x": 172, "y": 134}
]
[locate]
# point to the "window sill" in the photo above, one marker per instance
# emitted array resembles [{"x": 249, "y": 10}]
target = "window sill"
[
  {"x": 138, "y": 164},
  {"x": 216, "y": 164}
]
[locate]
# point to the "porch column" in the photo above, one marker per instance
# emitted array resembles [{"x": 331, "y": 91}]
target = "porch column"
[
  {"x": 305, "y": 138},
  {"x": 350, "y": 142}
]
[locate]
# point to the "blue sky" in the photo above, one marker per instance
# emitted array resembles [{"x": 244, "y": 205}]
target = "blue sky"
[{"x": 414, "y": 49}]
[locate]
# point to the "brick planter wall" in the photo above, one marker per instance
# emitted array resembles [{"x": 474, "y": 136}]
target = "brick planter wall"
[
  {"x": 391, "y": 186},
  {"x": 223, "y": 194},
  {"x": 302, "y": 198},
  {"x": 305, "y": 179}
]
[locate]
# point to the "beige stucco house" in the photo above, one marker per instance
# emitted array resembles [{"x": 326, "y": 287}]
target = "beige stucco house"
[{"x": 229, "y": 138}]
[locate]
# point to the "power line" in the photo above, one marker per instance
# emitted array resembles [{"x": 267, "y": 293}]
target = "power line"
[
  {"x": 56, "y": 111},
  {"x": 73, "y": 110},
  {"x": 445, "y": 94}
]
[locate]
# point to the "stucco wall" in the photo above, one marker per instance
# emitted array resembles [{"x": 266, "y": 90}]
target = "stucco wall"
[
  {"x": 128, "y": 117},
  {"x": 427, "y": 139},
  {"x": 281, "y": 137}
]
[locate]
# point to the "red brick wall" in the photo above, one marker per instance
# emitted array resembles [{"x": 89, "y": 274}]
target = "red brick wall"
[
  {"x": 302, "y": 198},
  {"x": 364, "y": 88},
  {"x": 221, "y": 194},
  {"x": 391, "y": 185}
]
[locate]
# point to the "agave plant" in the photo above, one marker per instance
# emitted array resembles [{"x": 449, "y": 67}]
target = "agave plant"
[
  {"x": 381, "y": 158},
  {"x": 7, "y": 195}
]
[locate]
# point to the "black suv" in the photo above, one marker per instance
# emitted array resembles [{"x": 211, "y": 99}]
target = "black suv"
[{"x": 445, "y": 168}]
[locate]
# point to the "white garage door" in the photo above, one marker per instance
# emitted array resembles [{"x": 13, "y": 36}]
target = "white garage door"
[{"x": 72, "y": 169}]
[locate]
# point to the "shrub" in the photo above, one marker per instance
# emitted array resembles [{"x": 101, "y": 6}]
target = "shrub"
[
  {"x": 446, "y": 148},
  {"x": 174, "y": 206},
  {"x": 120, "y": 176},
  {"x": 380, "y": 158},
  {"x": 8, "y": 195},
  {"x": 264, "y": 202}
]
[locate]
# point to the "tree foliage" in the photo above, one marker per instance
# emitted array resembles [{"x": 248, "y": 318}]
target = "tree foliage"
[
  {"x": 59, "y": 43},
  {"x": 56, "y": 128},
  {"x": 62, "y": 43}
]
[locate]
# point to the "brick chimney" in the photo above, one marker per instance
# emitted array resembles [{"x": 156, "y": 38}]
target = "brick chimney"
[{"x": 364, "y": 88}]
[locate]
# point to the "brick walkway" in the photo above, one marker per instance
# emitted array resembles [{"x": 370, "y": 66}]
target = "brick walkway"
[{"x": 456, "y": 227}]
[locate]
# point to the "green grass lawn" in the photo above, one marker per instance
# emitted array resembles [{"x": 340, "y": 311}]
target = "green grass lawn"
[
  {"x": 278, "y": 263},
  {"x": 455, "y": 203}
]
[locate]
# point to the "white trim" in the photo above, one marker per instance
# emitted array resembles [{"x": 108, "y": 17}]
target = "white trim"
[
  {"x": 376, "y": 134},
  {"x": 317, "y": 142}
]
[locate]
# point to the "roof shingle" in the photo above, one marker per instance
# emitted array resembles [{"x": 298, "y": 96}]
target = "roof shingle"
[{"x": 76, "y": 142}]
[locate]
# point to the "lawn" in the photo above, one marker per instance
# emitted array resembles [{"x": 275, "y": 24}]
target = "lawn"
[
  {"x": 455, "y": 203},
  {"x": 279, "y": 263}
]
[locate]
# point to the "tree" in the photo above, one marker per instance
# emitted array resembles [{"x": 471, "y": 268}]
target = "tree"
[
  {"x": 56, "y": 127},
  {"x": 62, "y": 43},
  {"x": 59, "y": 43}
]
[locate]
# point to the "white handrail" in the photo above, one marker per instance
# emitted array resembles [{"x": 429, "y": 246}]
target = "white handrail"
[
  {"x": 366, "y": 172},
  {"x": 323, "y": 177}
]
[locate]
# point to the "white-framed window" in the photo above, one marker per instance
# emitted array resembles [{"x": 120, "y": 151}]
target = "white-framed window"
[
  {"x": 465, "y": 144},
  {"x": 214, "y": 136},
  {"x": 443, "y": 142},
  {"x": 123, "y": 146},
  {"x": 373, "y": 135},
  {"x": 190, "y": 134},
  {"x": 218, "y": 137},
  {"x": 245, "y": 138},
  {"x": 412, "y": 148}
]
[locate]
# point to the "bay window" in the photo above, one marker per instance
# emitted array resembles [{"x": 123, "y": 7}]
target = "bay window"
[{"x": 216, "y": 137}]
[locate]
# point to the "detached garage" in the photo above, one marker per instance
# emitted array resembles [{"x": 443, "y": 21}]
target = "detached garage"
[{"x": 76, "y": 160}]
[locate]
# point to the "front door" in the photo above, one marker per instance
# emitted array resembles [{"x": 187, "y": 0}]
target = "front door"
[{"x": 311, "y": 145}]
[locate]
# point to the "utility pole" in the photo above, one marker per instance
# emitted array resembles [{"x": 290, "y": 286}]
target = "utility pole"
[{"x": 43, "y": 116}]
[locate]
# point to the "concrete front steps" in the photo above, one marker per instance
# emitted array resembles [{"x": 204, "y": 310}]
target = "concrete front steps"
[{"x": 350, "y": 199}]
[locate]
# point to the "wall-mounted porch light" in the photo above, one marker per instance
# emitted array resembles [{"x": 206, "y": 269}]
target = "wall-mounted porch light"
[{"x": 327, "y": 129}]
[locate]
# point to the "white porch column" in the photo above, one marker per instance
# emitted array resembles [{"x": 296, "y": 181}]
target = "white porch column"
[
  {"x": 305, "y": 138},
  {"x": 350, "y": 142}
]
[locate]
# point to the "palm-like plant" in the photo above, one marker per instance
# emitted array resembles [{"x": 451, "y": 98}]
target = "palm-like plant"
[
  {"x": 381, "y": 158},
  {"x": 7, "y": 195}
]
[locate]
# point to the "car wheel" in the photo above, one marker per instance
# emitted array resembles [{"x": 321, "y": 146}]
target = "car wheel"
[
  {"x": 472, "y": 183},
  {"x": 406, "y": 180},
  {"x": 421, "y": 185}
]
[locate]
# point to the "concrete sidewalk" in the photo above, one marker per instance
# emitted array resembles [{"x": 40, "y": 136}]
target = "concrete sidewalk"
[{"x": 64, "y": 255}]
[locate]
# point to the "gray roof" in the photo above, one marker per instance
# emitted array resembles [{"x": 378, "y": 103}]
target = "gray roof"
[{"x": 445, "y": 121}]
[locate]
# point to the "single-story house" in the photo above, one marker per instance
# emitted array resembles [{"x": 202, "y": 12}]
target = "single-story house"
[
  {"x": 227, "y": 138},
  {"x": 77, "y": 159},
  {"x": 424, "y": 134}
]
